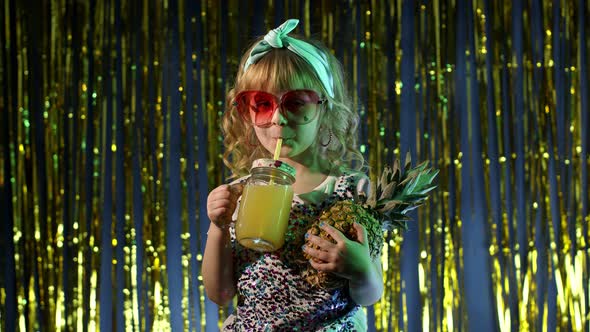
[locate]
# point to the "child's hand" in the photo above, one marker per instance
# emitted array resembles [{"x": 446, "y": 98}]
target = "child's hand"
[
  {"x": 221, "y": 204},
  {"x": 346, "y": 258}
]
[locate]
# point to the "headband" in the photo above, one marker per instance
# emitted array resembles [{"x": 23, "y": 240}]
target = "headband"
[{"x": 278, "y": 38}]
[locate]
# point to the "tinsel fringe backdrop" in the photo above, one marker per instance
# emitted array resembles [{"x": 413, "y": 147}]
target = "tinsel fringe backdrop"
[{"x": 109, "y": 144}]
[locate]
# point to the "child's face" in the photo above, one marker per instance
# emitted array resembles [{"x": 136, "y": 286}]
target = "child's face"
[{"x": 297, "y": 138}]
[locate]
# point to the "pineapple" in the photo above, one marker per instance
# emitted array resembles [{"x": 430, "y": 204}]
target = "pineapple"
[{"x": 397, "y": 192}]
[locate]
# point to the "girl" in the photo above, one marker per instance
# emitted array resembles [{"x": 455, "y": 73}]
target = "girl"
[{"x": 293, "y": 89}]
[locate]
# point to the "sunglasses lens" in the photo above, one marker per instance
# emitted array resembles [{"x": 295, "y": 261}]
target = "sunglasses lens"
[
  {"x": 301, "y": 105},
  {"x": 257, "y": 107},
  {"x": 262, "y": 107}
]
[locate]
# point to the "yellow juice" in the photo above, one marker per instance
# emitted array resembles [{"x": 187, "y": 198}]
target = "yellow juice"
[{"x": 263, "y": 216}]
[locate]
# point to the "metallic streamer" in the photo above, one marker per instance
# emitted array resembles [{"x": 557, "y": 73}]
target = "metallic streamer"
[
  {"x": 109, "y": 144},
  {"x": 407, "y": 142}
]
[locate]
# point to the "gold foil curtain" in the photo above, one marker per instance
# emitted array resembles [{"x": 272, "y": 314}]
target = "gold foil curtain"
[{"x": 110, "y": 142}]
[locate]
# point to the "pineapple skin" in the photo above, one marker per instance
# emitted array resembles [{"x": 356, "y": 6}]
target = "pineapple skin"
[{"x": 342, "y": 216}]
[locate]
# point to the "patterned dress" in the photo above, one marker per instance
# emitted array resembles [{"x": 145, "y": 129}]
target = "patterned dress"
[{"x": 272, "y": 294}]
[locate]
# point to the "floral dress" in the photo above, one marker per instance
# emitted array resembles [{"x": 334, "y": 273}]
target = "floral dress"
[{"x": 272, "y": 294}]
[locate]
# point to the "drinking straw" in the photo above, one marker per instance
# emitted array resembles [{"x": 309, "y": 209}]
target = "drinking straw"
[
  {"x": 277, "y": 154},
  {"x": 278, "y": 149}
]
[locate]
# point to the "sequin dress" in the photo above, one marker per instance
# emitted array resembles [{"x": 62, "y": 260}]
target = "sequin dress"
[{"x": 272, "y": 295}]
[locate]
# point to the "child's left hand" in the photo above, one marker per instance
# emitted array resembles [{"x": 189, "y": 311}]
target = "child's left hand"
[{"x": 345, "y": 258}]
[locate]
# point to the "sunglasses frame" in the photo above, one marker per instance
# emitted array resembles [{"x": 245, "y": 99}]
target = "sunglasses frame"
[{"x": 281, "y": 108}]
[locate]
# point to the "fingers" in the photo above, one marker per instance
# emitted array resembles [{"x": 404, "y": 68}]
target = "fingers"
[
  {"x": 328, "y": 255},
  {"x": 232, "y": 193},
  {"x": 216, "y": 214},
  {"x": 323, "y": 244},
  {"x": 236, "y": 189},
  {"x": 317, "y": 254},
  {"x": 333, "y": 232},
  {"x": 346, "y": 258},
  {"x": 322, "y": 266},
  {"x": 221, "y": 203},
  {"x": 220, "y": 192},
  {"x": 361, "y": 233}
]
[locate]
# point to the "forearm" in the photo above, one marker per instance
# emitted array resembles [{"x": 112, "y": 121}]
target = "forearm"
[
  {"x": 218, "y": 266},
  {"x": 368, "y": 288}
]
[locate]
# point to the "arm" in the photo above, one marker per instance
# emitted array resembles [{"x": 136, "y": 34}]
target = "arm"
[
  {"x": 218, "y": 259},
  {"x": 350, "y": 260},
  {"x": 367, "y": 289},
  {"x": 218, "y": 266}
]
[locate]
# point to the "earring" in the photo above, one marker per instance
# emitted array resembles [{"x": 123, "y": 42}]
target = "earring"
[{"x": 329, "y": 139}]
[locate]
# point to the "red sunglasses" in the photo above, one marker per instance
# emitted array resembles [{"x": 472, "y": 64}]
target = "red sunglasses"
[{"x": 297, "y": 106}]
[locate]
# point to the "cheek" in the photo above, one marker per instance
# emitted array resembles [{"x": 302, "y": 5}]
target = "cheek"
[
  {"x": 263, "y": 137},
  {"x": 260, "y": 134},
  {"x": 307, "y": 135}
]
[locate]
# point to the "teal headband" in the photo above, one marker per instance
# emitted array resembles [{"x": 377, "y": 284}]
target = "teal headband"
[{"x": 278, "y": 38}]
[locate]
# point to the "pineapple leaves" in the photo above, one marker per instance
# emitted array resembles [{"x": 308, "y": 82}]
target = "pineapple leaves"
[
  {"x": 388, "y": 191},
  {"x": 401, "y": 190},
  {"x": 408, "y": 161}
]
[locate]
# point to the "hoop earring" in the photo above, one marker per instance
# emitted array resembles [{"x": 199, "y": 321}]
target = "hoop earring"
[{"x": 329, "y": 139}]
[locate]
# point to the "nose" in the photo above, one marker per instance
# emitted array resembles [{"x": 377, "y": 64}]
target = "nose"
[{"x": 278, "y": 118}]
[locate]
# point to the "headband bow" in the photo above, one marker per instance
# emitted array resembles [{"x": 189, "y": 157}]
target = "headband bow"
[{"x": 278, "y": 38}]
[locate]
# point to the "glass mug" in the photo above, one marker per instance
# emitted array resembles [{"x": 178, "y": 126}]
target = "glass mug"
[{"x": 264, "y": 209}]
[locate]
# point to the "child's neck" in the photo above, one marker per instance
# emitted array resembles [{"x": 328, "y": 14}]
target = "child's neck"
[{"x": 309, "y": 175}]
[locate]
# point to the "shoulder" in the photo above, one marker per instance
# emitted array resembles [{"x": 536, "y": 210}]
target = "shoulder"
[
  {"x": 359, "y": 181},
  {"x": 354, "y": 183}
]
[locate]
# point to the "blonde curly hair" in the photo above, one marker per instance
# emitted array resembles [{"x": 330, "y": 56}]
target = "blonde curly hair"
[{"x": 280, "y": 70}]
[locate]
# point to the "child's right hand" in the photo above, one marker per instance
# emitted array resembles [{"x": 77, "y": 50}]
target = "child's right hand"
[{"x": 222, "y": 202}]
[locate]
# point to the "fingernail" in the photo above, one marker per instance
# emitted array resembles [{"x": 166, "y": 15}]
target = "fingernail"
[
  {"x": 322, "y": 224},
  {"x": 306, "y": 235},
  {"x": 303, "y": 247}
]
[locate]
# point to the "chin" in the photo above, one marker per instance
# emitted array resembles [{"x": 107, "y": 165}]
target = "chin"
[
  {"x": 288, "y": 153},
  {"x": 285, "y": 151}
]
